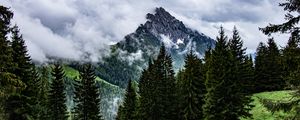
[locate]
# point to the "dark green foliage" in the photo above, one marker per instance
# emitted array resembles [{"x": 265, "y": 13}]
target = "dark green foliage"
[
  {"x": 26, "y": 100},
  {"x": 226, "y": 79},
  {"x": 57, "y": 97},
  {"x": 145, "y": 91},
  {"x": 218, "y": 82},
  {"x": 157, "y": 90},
  {"x": 260, "y": 67},
  {"x": 290, "y": 60},
  {"x": 9, "y": 82},
  {"x": 292, "y": 18},
  {"x": 87, "y": 97},
  {"x": 127, "y": 111},
  {"x": 242, "y": 76},
  {"x": 191, "y": 85},
  {"x": 268, "y": 68}
]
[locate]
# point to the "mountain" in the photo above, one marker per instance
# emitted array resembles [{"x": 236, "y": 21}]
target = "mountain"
[{"x": 131, "y": 55}]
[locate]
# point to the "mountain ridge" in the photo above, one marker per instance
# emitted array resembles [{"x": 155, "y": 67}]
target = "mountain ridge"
[{"x": 133, "y": 52}]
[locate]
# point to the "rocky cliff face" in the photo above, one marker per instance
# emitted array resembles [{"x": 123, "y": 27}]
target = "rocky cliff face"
[
  {"x": 131, "y": 55},
  {"x": 162, "y": 28}
]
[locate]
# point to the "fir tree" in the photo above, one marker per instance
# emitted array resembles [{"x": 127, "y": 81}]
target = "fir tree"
[
  {"x": 241, "y": 76},
  {"x": 291, "y": 71},
  {"x": 268, "y": 67},
  {"x": 219, "y": 84},
  {"x": 290, "y": 59},
  {"x": 57, "y": 97},
  {"x": 260, "y": 67},
  {"x": 9, "y": 82},
  {"x": 146, "y": 88},
  {"x": 25, "y": 71},
  {"x": 292, "y": 16},
  {"x": 127, "y": 111},
  {"x": 192, "y": 88},
  {"x": 157, "y": 90},
  {"x": 87, "y": 96},
  {"x": 274, "y": 66}
]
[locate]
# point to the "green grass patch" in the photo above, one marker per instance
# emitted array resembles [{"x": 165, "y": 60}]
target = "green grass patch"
[
  {"x": 73, "y": 73},
  {"x": 259, "y": 112}
]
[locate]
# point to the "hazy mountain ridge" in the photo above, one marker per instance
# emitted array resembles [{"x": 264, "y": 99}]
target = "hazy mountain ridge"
[{"x": 134, "y": 51}]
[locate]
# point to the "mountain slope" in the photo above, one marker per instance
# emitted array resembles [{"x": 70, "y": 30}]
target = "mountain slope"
[{"x": 131, "y": 55}]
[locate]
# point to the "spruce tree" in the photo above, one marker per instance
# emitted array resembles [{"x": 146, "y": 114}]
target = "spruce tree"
[
  {"x": 26, "y": 72},
  {"x": 192, "y": 88},
  {"x": 274, "y": 67},
  {"x": 57, "y": 97},
  {"x": 9, "y": 82},
  {"x": 291, "y": 71},
  {"x": 260, "y": 67},
  {"x": 290, "y": 59},
  {"x": 292, "y": 7},
  {"x": 127, "y": 111},
  {"x": 268, "y": 68},
  {"x": 220, "y": 88},
  {"x": 146, "y": 88},
  {"x": 87, "y": 96},
  {"x": 164, "y": 81},
  {"x": 240, "y": 75},
  {"x": 157, "y": 89}
]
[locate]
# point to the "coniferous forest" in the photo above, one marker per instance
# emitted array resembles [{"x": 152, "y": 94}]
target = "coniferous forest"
[{"x": 218, "y": 86}]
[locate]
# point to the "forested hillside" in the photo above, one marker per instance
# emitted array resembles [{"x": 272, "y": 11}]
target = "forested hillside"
[{"x": 163, "y": 71}]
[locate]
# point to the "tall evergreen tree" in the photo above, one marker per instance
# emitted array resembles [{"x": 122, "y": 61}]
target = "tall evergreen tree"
[
  {"x": 129, "y": 107},
  {"x": 146, "y": 88},
  {"x": 24, "y": 69},
  {"x": 260, "y": 67},
  {"x": 240, "y": 75},
  {"x": 292, "y": 17},
  {"x": 220, "y": 87},
  {"x": 274, "y": 67},
  {"x": 192, "y": 88},
  {"x": 268, "y": 67},
  {"x": 9, "y": 82},
  {"x": 57, "y": 97},
  {"x": 157, "y": 89},
  {"x": 290, "y": 59},
  {"x": 87, "y": 96}
]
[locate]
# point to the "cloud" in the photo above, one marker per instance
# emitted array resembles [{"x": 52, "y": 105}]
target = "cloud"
[{"x": 72, "y": 28}]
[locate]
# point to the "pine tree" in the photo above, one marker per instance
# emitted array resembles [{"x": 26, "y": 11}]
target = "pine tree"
[
  {"x": 146, "y": 88},
  {"x": 25, "y": 71},
  {"x": 9, "y": 83},
  {"x": 241, "y": 76},
  {"x": 164, "y": 81},
  {"x": 260, "y": 67},
  {"x": 273, "y": 66},
  {"x": 292, "y": 16},
  {"x": 290, "y": 59},
  {"x": 291, "y": 72},
  {"x": 192, "y": 88},
  {"x": 157, "y": 90},
  {"x": 127, "y": 111},
  {"x": 219, "y": 86},
  {"x": 87, "y": 96},
  {"x": 57, "y": 97},
  {"x": 268, "y": 68}
]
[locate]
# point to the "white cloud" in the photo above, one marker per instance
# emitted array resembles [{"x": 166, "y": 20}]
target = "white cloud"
[{"x": 67, "y": 28}]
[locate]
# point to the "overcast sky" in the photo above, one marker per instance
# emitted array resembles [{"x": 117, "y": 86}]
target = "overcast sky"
[{"x": 64, "y": 28}]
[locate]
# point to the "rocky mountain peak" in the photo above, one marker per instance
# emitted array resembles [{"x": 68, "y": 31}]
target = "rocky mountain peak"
[{"x": 162, "y": 22}]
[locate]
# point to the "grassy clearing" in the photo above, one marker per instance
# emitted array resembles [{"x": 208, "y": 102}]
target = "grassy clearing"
[
  {"x": 259, "y": 112},
  {"x": 73, "y": 73}
]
